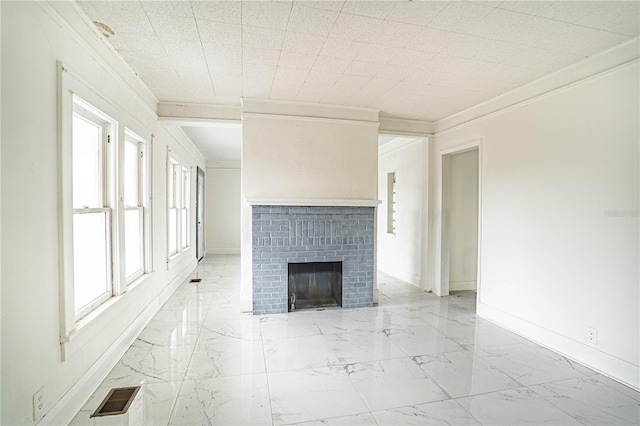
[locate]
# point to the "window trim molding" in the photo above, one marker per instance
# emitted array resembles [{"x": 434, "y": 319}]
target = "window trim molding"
[
  {"x": 174, "y": 159},
  {"x": 145, "y": 180},
  {"x": 86, "y": 111},
  {"x": 185, "y": 207},
  {"x": 69, "y": 84},
  {"x": 171, "y": 197}
]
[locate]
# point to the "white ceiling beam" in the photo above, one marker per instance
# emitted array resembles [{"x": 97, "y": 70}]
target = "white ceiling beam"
[{"x": 185, "y": 114}]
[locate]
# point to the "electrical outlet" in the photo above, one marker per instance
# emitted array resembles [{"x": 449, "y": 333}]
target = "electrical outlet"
[
  {"x": 592, "y": 335},
  {"x": 38, "y": 404}
]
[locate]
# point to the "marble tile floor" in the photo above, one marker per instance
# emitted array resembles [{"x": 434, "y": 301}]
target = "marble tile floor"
[{"x": 413, "y": 359}]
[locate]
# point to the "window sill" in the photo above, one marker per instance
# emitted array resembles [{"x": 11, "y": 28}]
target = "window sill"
[
  {"x": 135, "y": 283},
  {"x": 86, "y": 327},
  {"x": 178, "y": 254}
]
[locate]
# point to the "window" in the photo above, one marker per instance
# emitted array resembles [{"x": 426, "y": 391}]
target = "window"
[
  {"x": 184, "y": 209},
  {"x": 391, "y": 203},
  {"x": 184, "y": 235},
  {"x": 135, "y": 184},
  {"x": 92, "y": 214},
  {"x": 102, "y": 267},
  {"x": 178, "y": 201},
  {"x": 173, "y": 190},
  {"x": 104, "y": 207}
]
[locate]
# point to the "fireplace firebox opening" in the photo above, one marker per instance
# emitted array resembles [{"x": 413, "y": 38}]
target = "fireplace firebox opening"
[{"x": 315, "y": 285}]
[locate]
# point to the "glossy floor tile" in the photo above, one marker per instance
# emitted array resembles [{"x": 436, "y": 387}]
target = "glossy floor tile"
[
  {"x": 236, "y": 400},
  {"x": 515, "y": 407},
  {"x": 462, "y": 373},
  {"x": 413, "y": 359},
  {"x": 591, "y": 402},
  {"x": 527, "y": 364},
  {"x": 226, "y": 359},
  {"x": 313, "y": 393},
  {"x": 298, "y": 353},
  {"x": 360, "y": 346},
  {"x": 393, "y": 383},
  {"x": 435, "y": 413}
]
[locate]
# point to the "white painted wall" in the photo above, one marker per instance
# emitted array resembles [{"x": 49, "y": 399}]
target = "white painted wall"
[
  {"x": 553, "y": 259},
  {"x": 297, "y": 151},
  {"x": 34, "y": 37},
  {"x": 399, "y": 254},
  {"x": 222, "y": 213},
  {"x": 463, "y": 210},
  {"x": 298, "y": 159}
]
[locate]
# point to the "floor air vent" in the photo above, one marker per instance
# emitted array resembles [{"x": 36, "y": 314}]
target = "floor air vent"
[
  {"x": 195, "y": 280},
  {"x": 116, "y": 402}
]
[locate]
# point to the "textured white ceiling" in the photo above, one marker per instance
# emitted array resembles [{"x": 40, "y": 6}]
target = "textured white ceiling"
[{"x": 417, "y": 60}]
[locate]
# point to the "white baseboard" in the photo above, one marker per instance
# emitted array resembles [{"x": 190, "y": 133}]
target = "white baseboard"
[
  {"x": 462, "y": 285},
  {"x": 399, "y": 273},
  {"x": 68, "y": 406},
  {"x": 223, "y": 250},
  {"x": 620, "y": 370}
]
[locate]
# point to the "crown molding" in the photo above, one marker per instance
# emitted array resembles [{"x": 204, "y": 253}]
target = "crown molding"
[
  {"x": 198, "y": 114},
  {"x": 246, "y": 115},
  {"x": 81, "y": 29},
  {"x": 311, "y": 202},
  {"x": 619, "y": 56},
  {"x": 308, "y": 110},
  {"x": 403, "y": 127},
  {"x": 224, "y": 165}
]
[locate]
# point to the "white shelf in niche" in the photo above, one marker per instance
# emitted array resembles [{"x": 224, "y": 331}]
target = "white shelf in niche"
[{"x": 311, "y": 202}]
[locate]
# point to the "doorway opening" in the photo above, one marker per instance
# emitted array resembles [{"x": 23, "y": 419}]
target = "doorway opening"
[
  {"x": 460, "y": 227},
  {"x": 402, "y": 217},
  {"x": 217, "y": 200}
]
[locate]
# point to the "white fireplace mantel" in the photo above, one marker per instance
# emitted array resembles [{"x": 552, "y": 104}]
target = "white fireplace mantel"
[{"x": 314, "y": 202}]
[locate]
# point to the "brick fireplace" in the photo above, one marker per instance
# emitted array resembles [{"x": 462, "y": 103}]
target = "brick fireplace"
[{"x": 284, "y": 235}]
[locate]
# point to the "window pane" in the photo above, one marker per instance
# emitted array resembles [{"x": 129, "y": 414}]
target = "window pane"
[
  {"x": 132, "y": 242},
  {"x": 176, "y": 186},
  {"x": 185, "y": 188},
  {"x": 173, "y": 244},
  {"x": 87, "y": 165},
  {"x": 170, "y": 188},
  {"x": 131, "y": 174},
  {"x": 184, "y": 229},
  {"x": 90, "y": 258}
]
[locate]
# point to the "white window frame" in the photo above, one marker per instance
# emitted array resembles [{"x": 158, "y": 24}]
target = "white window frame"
[
  {"x": 185, "y": 210},
  {"x": 173, "y": 191},
  {"x": 178, "y": 199},
  {"x": 87, "y": 112},
  {"x": 143, "y": 202}
]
